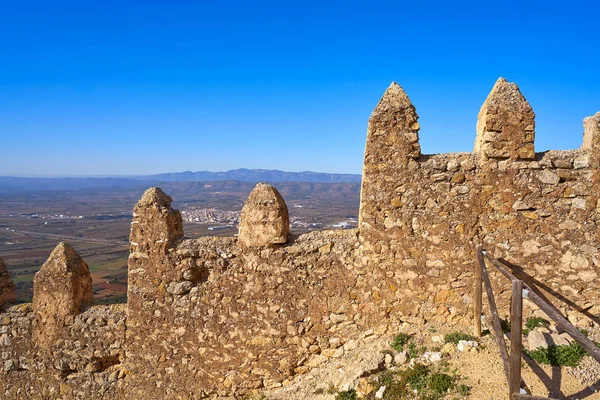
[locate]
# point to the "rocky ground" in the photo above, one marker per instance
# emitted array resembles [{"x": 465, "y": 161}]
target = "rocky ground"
[{"x": 474, "y": 365}]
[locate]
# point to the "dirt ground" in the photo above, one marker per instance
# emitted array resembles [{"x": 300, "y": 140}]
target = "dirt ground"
[{"x": 480, "y": 369}]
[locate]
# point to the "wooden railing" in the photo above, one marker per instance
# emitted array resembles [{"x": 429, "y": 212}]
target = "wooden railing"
[{"x": 512, "y": 361}]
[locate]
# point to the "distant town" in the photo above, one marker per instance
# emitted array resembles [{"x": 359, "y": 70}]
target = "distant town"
[
  {"x": 229, "y": 219},
  {"x": 221, "y": 219}
]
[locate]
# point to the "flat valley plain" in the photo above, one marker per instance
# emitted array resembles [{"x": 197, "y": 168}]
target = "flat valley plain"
[{"x": 96, "y": 221}]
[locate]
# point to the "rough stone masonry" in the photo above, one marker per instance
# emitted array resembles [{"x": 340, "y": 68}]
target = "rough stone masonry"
[{"x": 219, "y": 316}]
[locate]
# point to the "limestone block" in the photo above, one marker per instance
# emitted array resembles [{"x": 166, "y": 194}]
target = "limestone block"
[
  {"x": 505, "y": 125},
  {"x": 63, "y": 286},
  {"x": 264, "y": 219},
  {"x": 7, "y": 287},
  {"x": 538, "y": 339},
  {"x": 156, "y": 227}
]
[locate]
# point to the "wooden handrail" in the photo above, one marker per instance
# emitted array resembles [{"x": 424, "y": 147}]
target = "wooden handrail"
[
  {"x": 551, "y": 312},
  {"x": 512, "y": 365}
]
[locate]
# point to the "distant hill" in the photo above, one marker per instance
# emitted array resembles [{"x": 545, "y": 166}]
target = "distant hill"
[
  {"x": 10, "y": 184},
  {"x": 252, "y": 175}
]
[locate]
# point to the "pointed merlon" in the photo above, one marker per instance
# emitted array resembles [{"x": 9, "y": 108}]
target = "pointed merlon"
[
  {"x": 155, "y": 196},
  {"x": 63, "y": 286},
  {"x": 264, "y": 219},
  {"x": 505, "y": 124},
  {"x": 393, "y": 131},
  {"x": 156, "y": 226},
  {"x": 591, "y": 139},
  {"x": 7, "y": 287}
]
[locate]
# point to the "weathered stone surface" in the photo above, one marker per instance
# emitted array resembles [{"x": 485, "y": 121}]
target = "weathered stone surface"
[
  {"x": 506, "y": 124},
  {"x": 542, "y": 338},
  {"x": 432, "y": 356},
  {"x": 7, "y": 287},
  {"x": 264, "y": 220},
  {"x": 549, "y": 177},
  {"x": 466, "y": 345},
  {"x": 156, "y": 227},
  {"x": 63, "y": 286}
]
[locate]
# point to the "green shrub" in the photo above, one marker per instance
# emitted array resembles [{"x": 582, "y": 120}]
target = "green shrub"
[
  {"x": 534, "y": 322},
  {"x": 455, "y": 337},
  {"x": 399, "y": 341},
  {"x": 347, "y": 395},
  {"x": 569, "y": 355},
  {"x": 464, "y": 390},
  {"x": 394, "y": 388},
  {"x": 427, "y": 384},
  {"x": 417, "y": 376},
  {"x": 413, "y": 352},
  {"x": 418, "y": 382},
  {"x": 440, "y": 383}
]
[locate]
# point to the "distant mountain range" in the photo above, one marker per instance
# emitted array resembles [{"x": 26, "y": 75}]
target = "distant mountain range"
[
  {"x": 252, "y": 175},
  {"x": 10, "y": 184}
]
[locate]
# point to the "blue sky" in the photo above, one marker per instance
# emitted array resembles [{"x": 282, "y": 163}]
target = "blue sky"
[{"x": 137, "y": 87}]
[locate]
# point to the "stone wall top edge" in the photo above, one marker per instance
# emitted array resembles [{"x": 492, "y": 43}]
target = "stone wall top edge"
[
  {"x": 227, "y": 241},
  {"x": 538, "y": 154},
  {"x": 106, "y": 311},
  {"x": 544, "y": 159}
]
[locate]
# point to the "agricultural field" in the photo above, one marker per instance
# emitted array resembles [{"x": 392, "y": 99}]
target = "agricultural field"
[{"x": 96, "y": 223}]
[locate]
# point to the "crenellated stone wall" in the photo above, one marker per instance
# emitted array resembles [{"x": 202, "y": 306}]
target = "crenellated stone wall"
[
  {"x": 217, "y": 316},
  {"x": 421, "y": 218}
]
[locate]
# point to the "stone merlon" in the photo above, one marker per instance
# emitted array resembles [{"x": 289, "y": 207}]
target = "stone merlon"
[
  {"x": 505, "y": 125},
  {"x": 63, "y": 286},
  {"x": 156, "y": 226},
  {"x": 393, "y": 127},
  {"x": 264, "y": 219}
]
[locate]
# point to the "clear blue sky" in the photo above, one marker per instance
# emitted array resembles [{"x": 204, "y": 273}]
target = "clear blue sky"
[{"x": 136, "y": 87}]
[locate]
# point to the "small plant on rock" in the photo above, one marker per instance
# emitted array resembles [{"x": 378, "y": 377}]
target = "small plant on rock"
[
  {"x": 440, "y": 383},
  {"x": 399, "y": 341},
  {"x": 535, "y": 322},
  {"x": 417, "y": 376},
  {"x": 420, "y": 382},
  {"x": 347, "y": 395},
  {"x": 464, "y": 390},
  {"x": 456, "y": 337},
  {"x": 413, "y": 352}
]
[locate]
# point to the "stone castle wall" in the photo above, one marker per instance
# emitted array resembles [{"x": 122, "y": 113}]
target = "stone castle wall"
[{"x": 215, "y": 316}]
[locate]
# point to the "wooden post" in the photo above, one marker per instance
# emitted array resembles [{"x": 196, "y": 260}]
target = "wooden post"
[
  {"x": 516, "y": 345},
  {"x": 496, "y": 321},
  {"x": 479, "y": 265}
]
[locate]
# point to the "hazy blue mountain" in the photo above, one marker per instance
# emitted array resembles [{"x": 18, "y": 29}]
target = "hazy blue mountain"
[
  {"x": 252, "y": 175},
  {"x": 10, "y": 184}
]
